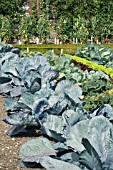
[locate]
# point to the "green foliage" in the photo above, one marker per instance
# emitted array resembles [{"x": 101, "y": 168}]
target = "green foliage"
[
  {"x": 11, "y": 7},
  {"x": 97, "y": 54},
  {"x": 43, "y": 48},
  {"x": 94, "y": 18},
  {"x": 98, "y": 100},
  {"x": 82, "y": 140},
  {"x": 65, "y": 67},
  {"x": 5, "y": 28},
  {"x": 32, "y": 151},
  {"x": 31, "y": 80},
  {"x": 13, "y": 10},
  {"x": 80, "y": 29},
  {"x": 27, "y": 27},
  {"x": 43, "y": 27},
  {"x": 93, "y": 65},
  {"x": 82, "y": 19},
  {"x": 96, "y": 91},
  {"x": 63, "y": 27},
  {"x": 93, "y": 83}
]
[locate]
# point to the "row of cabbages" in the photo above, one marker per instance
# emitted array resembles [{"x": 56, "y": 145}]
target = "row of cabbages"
[{"x": 36, "y": 98}]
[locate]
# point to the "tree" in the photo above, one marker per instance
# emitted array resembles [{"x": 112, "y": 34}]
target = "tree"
[
  {"x": 38, "y": 8},
  {"x": 65, "y": 12},
  {"x": 5, "y": 29},
  {"x": 12, "y": 8}
]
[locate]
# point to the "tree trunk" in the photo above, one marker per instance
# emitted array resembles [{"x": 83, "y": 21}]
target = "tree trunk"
[
  {"x": 30, "y": 7},
  {"x": 38, "y": 8}
]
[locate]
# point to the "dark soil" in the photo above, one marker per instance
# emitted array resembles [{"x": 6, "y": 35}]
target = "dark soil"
[
  {"x": 9, "y": 146},
  {"x": 82, "y": 66}
]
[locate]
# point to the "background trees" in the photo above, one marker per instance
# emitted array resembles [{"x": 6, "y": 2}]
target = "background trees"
[
  {"x": 81, "y": 19},
  {"x": 13, "y": 11}
]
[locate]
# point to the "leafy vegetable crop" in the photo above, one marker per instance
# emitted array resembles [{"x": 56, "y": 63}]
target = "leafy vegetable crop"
[
  {"x": 38, "y": 98},
  {"x": 97, "y": 54},
  {"x": 93, "y": 83}
]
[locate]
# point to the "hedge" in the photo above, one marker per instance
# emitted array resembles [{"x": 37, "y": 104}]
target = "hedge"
[{"x": 43, "y": 48}]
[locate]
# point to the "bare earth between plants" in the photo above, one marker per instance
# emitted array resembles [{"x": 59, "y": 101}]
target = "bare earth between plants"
[{"x": 9, "y": 147}]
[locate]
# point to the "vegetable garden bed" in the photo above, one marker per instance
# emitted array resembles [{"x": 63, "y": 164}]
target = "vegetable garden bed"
[
  {"x": 49, "y": 98},
  {"x": 9, "y": 147}
]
